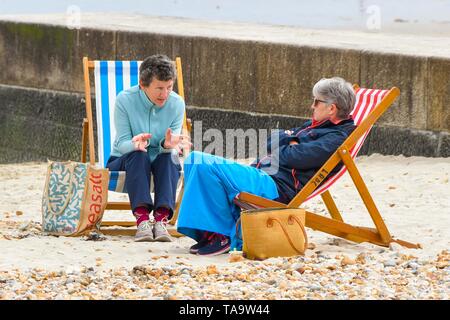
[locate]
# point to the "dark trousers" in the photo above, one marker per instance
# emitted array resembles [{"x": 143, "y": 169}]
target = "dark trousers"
[{"x": 139, "y": 170}]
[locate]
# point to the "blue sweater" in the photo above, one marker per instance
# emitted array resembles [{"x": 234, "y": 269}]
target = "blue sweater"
[{"x": 134, "y": 113}]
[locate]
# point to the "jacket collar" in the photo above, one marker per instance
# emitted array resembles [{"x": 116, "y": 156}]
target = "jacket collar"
[
  {"x": 328, "y": 123},
  {"x": 147, "y": 102}
]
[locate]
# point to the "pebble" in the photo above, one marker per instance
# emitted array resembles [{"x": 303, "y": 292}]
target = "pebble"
[
  {"x": 412, "y": 265},
  {"x": 314, "y": 287},
  {"x": 390, "y": 263},
  {"x": 378, "y": 276},
  {"x": 393, "y": 246},
  {"x": 347, "y": 261}
]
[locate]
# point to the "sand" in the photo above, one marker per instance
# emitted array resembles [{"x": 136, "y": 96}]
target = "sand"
[{"x": 412, "y": 194}]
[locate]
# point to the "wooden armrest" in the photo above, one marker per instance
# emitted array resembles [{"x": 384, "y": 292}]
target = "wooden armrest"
[{"x": 260, "y": 201}]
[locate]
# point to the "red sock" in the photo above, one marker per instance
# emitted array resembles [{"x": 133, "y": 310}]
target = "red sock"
[
  {"x": 141, "y": 214},
  {"x": 161, "y": 213}
]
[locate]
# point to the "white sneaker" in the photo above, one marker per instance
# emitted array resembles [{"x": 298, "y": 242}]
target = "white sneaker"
[
  {"x": 160, "y": 231},
  {"x": 144, "y": 232}
]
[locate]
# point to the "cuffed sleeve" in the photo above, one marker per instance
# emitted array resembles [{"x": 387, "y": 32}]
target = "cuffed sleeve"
[
  {"x": 161, "y": 147},
  {"x": 176, "y": 125}
]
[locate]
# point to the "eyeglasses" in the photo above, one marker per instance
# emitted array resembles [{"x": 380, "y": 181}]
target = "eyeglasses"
[{"x": 316, "y": 102}]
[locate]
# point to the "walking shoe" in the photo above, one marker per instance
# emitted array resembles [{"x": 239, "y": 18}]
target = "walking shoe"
[
  {"x": 160, "y": 232},
  {"x": 144, "y": 231},
  {"x": 218, "y": 244},
  {"x": 202, "y": 242}
]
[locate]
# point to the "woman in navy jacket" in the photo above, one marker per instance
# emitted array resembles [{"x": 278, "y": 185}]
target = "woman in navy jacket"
[{"x": 208, "y": 213}]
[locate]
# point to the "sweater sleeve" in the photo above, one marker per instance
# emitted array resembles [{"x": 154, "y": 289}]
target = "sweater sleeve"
[
  {"x": 312, "y": 154},
  {"x": 124, "y": 134},
  {"x": 280, "y": 138}
]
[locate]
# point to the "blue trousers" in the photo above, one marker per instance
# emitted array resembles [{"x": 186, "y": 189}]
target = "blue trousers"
[
  {"x": 139, "y": 171},
  {"x": 210, "y": 185}
]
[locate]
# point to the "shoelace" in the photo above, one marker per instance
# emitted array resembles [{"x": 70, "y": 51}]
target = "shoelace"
[
  {"x": 163, "y": 224},
  {"x": 213, "y": 236},
  {"x": 145, "y": 225},
  {"x": 163, "y": 221}
]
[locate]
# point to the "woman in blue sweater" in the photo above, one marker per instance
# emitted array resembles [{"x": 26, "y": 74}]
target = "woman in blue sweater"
[
  {"x": 148, "y": 119},
  {"x": 208, "y": 213}
]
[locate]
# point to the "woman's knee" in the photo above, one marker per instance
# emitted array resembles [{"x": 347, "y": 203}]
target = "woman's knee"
[
  {"x": 202, "y": 159},
  {"x": 193, "y": 157},
  {"x": 138, "y": 158},
  {"x": 165, "y": 160}
]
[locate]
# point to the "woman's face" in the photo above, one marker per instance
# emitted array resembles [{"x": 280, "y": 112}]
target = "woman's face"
[{"x": 321, "y": 109}]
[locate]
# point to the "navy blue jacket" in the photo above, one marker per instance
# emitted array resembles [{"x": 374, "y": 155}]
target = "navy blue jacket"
[{"x": 292, "y": 166}]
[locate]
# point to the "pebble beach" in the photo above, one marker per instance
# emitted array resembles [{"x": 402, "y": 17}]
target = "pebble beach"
[{"x": 412, "y": 195}]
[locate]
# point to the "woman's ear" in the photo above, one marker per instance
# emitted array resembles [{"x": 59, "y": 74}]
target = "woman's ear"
[{"x": 333, "y": 109}]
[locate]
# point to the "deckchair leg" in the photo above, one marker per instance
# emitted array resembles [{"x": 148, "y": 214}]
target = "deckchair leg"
[
  {"x": 118, "y": 206},
  {"x": 118, "y": 223},
  {"x": 336, "y": 215},
  {"x": 352, "y": 233},
  {"x": 177, "y": 205},
  {"x": 132, "y": 232},
  {"x": 84, "y": 140},
  {"x": 342, "y": 230},
  {"x": 331, "y": 206},
  {"x": 365, "y": 195}
]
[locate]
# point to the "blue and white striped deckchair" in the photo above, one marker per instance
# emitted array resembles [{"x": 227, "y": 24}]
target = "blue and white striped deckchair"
[{"x": 112, "y": 77}]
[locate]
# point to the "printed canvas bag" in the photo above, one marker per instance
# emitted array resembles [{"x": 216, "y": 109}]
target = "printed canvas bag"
[{"x": 75, "y": 197}]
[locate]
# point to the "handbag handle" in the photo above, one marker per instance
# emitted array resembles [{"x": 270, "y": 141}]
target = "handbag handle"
[
  {"x": 238, "y": 223},
  {"x": 66, "y": 203},
  {"x": 270, "y": 224}
]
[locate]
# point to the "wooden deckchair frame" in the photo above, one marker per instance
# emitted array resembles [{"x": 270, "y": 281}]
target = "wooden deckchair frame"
[
  {"x": 87, "y": 142},
  {"x": 335, "y": 225}
]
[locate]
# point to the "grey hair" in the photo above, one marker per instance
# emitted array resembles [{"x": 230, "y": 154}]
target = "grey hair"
[
  {"x": 338, "y": 91},
  {"x": 158, "y": 67}
]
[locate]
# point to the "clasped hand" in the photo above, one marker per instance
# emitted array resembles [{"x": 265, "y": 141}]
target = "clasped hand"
[{"x": 289, "y": 132}]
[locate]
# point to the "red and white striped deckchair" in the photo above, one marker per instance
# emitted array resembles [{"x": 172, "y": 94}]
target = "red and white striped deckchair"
[
  {"x": 366, "y": 101},
  {"x": 370, "y": 105}
]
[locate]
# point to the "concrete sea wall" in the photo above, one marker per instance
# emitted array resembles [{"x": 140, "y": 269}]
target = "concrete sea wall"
[{"x": 229, "y": 83}]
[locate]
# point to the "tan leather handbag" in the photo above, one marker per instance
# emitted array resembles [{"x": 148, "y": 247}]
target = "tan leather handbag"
[{"x": 273, "y": 233}]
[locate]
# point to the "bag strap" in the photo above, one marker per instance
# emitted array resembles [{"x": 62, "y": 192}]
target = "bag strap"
[
  {"x": 238, "y": 223},
  {"x": 269, "y": 225},
  {"x": 66, "y": 203},
  {"x": 302, "y": 227}
]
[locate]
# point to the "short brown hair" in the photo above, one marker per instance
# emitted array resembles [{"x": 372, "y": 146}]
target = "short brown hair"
[{"x": 157, "y": 66}]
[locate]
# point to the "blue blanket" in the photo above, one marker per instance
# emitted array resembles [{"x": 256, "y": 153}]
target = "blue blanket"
[{"x": 210, "y": 185}]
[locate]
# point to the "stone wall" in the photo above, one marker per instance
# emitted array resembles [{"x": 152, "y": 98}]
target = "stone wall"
[{"x": 228, "y": 84}]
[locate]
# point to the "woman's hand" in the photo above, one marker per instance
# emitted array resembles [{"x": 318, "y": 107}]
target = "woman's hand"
[
  {"x": 176, "y": 141},
  {"x": 141, "y": 142}
]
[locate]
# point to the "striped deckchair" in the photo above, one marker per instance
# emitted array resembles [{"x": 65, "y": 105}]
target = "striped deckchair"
[
  {"x": 110, "y": 78},
  {"x": 370, "y": 105}
]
